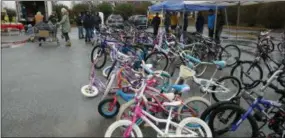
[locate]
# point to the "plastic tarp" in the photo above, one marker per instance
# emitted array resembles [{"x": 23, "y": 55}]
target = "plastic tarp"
[{"x": 183, "y": 5}]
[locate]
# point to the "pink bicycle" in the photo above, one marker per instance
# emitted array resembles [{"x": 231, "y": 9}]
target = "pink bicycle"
[{"x": 131, "y": 129}]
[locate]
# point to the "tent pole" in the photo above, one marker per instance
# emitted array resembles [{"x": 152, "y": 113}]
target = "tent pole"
[
  {"x": 238, "y": 20},
  {"x": 227, "y": 21},
  {"x": 215, "y": 27}
]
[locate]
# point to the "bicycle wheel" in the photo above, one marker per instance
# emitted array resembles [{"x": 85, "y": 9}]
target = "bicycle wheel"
[
  {"x": 136, "y": 132},
  {"x": 159, "y": 60},
  {"x": 230, "y": 54},
  {"x": 205, "y": 115},
  {"x": 198, "y": 104},
  {"x": 126, "y": 110},
  {"x": 249, "y": 126},
  {"x": 107, "y": 109},
  {"x": 248, "y": 73},
  {"x": 106, "y": 71},
  {"x": 229, "y": 82},
  {"x": 202, "y": 131},
  {"x": 281, "y": 79},
  {"x": 111, "y": 69},
  {"x": 100, "y": 55},
  {"x": 281, "y": 47}
]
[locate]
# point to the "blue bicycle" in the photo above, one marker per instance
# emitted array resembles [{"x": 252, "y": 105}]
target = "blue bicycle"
[{"x": 231, "y": 115}]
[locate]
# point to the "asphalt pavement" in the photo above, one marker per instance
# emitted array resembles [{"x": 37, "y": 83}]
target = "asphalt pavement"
[{"x": 41, "y": 91}]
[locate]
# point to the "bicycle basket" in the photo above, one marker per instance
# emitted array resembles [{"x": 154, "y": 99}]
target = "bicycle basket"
[{"x": 186, "y": 72}]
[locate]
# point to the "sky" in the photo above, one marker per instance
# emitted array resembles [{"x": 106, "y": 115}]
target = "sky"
[{"x": 11, "y": 4}]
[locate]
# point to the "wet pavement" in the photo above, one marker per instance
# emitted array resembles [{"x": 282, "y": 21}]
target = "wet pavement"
[{"x": 41, "y": 91}]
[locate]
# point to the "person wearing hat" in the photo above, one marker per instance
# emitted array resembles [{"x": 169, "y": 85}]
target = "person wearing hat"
[{"x": 65, "y": 26}]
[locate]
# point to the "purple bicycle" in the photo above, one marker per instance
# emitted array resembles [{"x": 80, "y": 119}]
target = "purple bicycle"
[{"x": 269, "y": 112}]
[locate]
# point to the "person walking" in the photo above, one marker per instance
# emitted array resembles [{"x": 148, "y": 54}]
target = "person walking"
[
  {"x": 200, "y": 23},
  {"x": 167, "y": 22},
  {"x": 88, "y": 25},
  {"x": 220, "y": 24},
  {"x": 211, "y": 23},
  {"x": 79, "y": 23},
  {"x": 65, "y": 26},
  {"x": 38, "y": 17},
  {"x": 155, "y": 23}
]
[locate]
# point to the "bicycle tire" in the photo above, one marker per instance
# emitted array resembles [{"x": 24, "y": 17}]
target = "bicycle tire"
[
  {"x": 281, "y": 79},
  {"x": 281, "y": 47},
  {"x": 104, "y": 57},
  {"x": 252, "y": 64},
  {"x": 108, "y": 115},
  {"x": 240, "y": 111},
  {"x": 161, "y": 53},
  {"x": 193, "y": 99},
  {"x": 222, "y": 79},
  {"x": 123, "y": 108},
  {"x": 195, "y": 120},
  {"x": 119, "y": 124},
  {"x": 205, "y": 115},
  {"x": 233, "y": 47},
  {"x": 112, "y": 68}
]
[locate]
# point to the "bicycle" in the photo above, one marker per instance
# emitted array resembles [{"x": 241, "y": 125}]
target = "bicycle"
[
  {"x": 254, "y": 71},
  {"x": 281, "y": 45},
  {"x": 145, "y": 116},
  {"x": 130, "y": 81},
  {"x": 155, "y": 105},
  {"x": 256, "y": 104}
]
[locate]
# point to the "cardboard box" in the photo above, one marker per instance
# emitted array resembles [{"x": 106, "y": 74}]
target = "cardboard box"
[{"x": 43, "y": 33}]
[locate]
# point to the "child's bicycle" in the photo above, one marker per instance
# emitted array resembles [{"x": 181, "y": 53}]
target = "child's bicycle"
[
  {"x": 130, "y": 128},
  {"x": 95, "y": 84}
]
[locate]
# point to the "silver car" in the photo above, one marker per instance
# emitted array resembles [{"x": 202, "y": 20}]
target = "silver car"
[{"x": 115, "y": 20}]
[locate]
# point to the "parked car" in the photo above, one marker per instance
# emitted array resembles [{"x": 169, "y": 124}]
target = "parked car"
[
  {"x": 139, "y": 20},
  {"x": 115, "y": 20}
]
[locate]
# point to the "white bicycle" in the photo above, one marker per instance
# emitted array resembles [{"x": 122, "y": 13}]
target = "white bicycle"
[{"x": 182, "y": 129}]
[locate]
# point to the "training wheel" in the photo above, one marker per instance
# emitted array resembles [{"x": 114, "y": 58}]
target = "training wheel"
[{"x": 89, "y": 91}]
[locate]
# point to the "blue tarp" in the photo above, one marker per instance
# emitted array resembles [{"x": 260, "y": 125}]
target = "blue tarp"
[{"x": 181, "y": 6}]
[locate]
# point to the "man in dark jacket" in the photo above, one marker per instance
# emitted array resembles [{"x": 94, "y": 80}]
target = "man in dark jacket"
[
  {"x": 200, "y": 23},
  {"x": 88, "y": 25},
  {"x": 220, "y": 24},
  {"x": 97, "y": 21},
  {"x": 53, "y": 18},
  {"x": 79, "y": 23},
  {"x": 167, "y": 21},
  {"x": 155, "y": 24}
]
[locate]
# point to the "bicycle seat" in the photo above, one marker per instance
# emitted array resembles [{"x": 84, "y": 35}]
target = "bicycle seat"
[
  {"x": 125, "y": 96},
  {"x": 220, "y": 64},
  {"x": 174, "y": 103},
  {"x": 169, "y": 96},
  {"x": 181, "y": 88},
  {"x": 147, "y": 68}
]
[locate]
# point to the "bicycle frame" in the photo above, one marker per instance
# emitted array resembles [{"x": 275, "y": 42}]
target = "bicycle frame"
[
  {"x": 269, "y": 104},
  {"x": 140, "y": 113}
]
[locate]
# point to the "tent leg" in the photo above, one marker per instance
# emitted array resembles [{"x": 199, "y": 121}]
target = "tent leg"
[
  {"x": 238, "y": 20},
  {"x": 215, "y": 27},
  {"x": 227, "y": 21}
]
